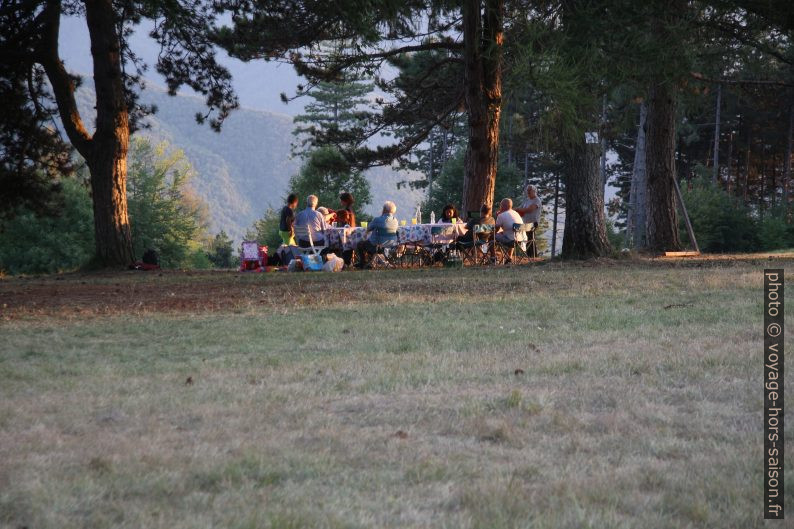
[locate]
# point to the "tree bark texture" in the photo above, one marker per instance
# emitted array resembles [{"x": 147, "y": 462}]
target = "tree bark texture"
[
  {"x": 585, "y": 233},
  {"x": 483, "y": 39},
  {"x": 787, "y": 160},
  {"x": 106, "y": 151},
  {"x": 662, "y": 221}
]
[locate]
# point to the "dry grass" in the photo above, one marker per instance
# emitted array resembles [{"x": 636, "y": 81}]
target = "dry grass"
[{"x": 614, "y": 394}]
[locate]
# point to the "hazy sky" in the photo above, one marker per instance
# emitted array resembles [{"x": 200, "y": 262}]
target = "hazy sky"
[{"x": 258, "y": 84}]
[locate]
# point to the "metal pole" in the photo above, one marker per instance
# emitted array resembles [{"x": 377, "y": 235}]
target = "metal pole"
[{"x": 689, "y": 229}]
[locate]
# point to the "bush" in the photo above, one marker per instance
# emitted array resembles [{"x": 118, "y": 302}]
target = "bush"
[
  {"x": 774, "y": 232},
  {"x": 616, "y": 237},
  {"x": 165, "y": 214},
  {"x": 265, "y": 230},
  {"x": 221, "y": 252},
  {"x": 327, "y": 174},
  {"x": 32, "y": 245},
  {"x": 721, "y": 222}
]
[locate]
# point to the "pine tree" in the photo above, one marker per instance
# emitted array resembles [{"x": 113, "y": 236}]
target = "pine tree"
[
  {"x": 327, "y": 174},
  {"x": 335, "y": 117}
]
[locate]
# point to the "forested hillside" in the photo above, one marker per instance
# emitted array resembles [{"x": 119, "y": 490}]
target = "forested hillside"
[{"x": 245, "y": 168}]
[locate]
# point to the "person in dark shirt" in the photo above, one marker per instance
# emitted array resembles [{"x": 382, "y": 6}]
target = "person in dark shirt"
[
  {"x": 287, "y": 218},
  {"x": 484, "y": 218},
  {"x": 450, "y": 212},
  {"x": 346, "y": 216}
]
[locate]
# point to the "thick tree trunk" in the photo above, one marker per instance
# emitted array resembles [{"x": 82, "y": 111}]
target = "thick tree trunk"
[
  {"x": 106, "y": 151},
  {"x": 483, "y": 38},
  {"x": 638, "y": 190},
  {"x": 108, "y": 163},
  {"x": 585, "y": 233},
  {"x": 662, "y": 223}
]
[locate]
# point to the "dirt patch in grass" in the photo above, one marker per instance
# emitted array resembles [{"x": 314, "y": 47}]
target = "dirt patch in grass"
[{"x": 76, "y": 296}]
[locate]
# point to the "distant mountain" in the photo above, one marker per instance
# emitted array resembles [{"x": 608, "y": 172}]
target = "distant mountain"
[{"x": 245, "y": 168}]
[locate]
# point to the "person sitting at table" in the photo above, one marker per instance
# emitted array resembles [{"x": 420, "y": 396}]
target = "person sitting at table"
[
  {"x": 450, "y": 212},
  {"x": 485, "y": 218},
  {"x": 314, "y": 220},
  {"x": 381, "y": 230},
  {"x": 286, "y": 219},
  {"x": 346, "y": 216},
  {"x": 330, "y": 216},
  {"x": 505, "y": 220}
]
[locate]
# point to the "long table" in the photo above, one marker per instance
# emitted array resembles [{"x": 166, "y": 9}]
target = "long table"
[{"x": 419, "y": 234}]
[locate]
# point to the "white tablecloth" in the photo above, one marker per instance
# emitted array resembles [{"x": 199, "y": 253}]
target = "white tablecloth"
[{"x": 420, "y": 234}]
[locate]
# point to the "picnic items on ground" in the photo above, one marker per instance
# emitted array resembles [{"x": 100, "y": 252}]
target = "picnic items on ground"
[{"x": 333, "y": 263}]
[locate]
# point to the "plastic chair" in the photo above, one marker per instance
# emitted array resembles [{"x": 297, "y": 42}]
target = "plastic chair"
[
  {"x": 303, "y": 233},
  {"x": 251, "y": 257}
]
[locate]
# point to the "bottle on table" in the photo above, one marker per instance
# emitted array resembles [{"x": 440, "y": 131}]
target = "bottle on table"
[{"x": 432, "y": 217}]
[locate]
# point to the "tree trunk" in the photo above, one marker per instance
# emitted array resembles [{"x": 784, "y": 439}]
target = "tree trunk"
[
  {"x": 638, "y": 190},
  {"x": 585, "y": 233},
  {"x": 729, "y": 176},
  {"x": 716, "y": 169},
  {"x": 662, "y": 223},
  {"x": 482, "y": 38},
  {"x": 106, "y": 151},
  {"x": 747, "y": 164},
  {"x": 108, "y": 163},
  {"x": 556, "y": 210},
  {"x": 787, "y": 161}
]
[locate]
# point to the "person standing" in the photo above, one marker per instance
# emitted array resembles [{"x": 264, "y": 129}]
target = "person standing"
[
  {"x": 531, "y": 206},
  {"x": 286, "y": 220}
]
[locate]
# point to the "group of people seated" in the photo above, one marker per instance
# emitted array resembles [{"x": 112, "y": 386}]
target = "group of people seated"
[
  {"x": 317, "y": 219},
  {"x": 382, "y": 230}
]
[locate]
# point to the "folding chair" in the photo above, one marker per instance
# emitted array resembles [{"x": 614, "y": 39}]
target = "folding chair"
[
  {"x": 518, "y": 249},
  {"x": 439, "y": 236},
  {"x": 390, "y": 250},
  {"x": 479, "y": 250},
  {"x": 251, "y": 257},
  {"x": 303, "y": 233}
]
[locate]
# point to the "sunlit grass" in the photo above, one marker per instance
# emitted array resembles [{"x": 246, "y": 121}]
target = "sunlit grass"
[{"x": 621, "y": 395}]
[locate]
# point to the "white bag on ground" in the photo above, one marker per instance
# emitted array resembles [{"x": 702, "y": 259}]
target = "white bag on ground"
[{"x": 333, "y": 263}]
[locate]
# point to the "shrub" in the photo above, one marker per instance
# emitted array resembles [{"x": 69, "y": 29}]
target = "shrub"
[
  {"x": 165, "y": 214},
  {"x": 31, "y": 244},
  {"x": 721, "y": 222}
]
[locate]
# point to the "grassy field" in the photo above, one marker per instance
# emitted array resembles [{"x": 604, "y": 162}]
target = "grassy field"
[{"x": 602, "y": 394}]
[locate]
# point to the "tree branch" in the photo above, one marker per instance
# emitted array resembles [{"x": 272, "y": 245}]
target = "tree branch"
[{"x": 62, "y": 83}]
